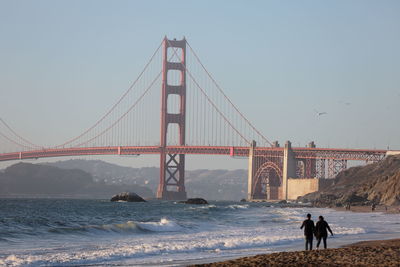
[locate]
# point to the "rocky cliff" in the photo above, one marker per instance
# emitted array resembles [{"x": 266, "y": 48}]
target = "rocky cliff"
[{"x": 377, "y": 183}]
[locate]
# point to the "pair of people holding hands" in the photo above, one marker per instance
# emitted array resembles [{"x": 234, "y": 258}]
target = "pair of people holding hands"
[{"x": 320, "y": 230}]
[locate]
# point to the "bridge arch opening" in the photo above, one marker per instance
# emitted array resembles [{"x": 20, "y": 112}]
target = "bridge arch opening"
[{"x": 268, "y": 182}]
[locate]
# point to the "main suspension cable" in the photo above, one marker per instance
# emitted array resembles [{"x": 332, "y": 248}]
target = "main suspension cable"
[
  {"x": 123, "y": 115},
  {"x": 116, "y": 104},
  {"x": 17, "y": 135},
  {"x": 210, "y": 101},
  {"x": 227, "y": 98}
]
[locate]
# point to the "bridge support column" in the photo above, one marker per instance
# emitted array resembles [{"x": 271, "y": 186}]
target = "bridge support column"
[
  {"x": 336, "y": 166},
  {"x": 289, "y": 169},
  {"x": 310, "y": 164},
  {"x": 172, "y": 176},
  {"x": 172, "y": 166},
  {"x": 320, "y": 169},
  {"x": 251, "y": 171}
]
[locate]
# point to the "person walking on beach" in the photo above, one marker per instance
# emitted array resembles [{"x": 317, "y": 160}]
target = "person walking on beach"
[
  {"x": 309, "y": 228},
  {"x": 321, "y": 231}
]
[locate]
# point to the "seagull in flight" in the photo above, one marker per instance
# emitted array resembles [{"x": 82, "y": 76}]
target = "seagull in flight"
[
  {"x": 345, "y": 103},
  {"x": 320, "y": 113}
]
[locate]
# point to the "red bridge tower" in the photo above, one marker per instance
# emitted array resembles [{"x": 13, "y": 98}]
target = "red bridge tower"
[{"x": 172, "y": 166}]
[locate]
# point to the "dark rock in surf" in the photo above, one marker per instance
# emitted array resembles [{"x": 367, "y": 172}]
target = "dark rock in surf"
[
  {"x": 127, "y": 196},
  {"x": 196, "y": 201},
  {"x": 243, "y": 200}
]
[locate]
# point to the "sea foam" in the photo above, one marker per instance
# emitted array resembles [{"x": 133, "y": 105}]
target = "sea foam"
[
  {"x": 96, "y": 233},
  {"x": 164, "y": 225},
  {"x": 220, "y": 241}
]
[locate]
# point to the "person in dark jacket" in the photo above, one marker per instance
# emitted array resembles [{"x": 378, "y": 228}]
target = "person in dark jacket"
[
  {"x": 321, "y": 231},
  {"x": 309, "y": 228}
]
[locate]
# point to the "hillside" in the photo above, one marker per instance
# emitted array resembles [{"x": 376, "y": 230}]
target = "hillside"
[
  {"x": 34, "y": 180},
  {"x": 217, "y": 184},
  {"x": 374, "y": 183},
  {"x": 210, "y": 184}
]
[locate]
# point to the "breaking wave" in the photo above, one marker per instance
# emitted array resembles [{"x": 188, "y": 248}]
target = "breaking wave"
[
  {"x": 164, "y": 225},
  {"x": 216, "y": 241}
]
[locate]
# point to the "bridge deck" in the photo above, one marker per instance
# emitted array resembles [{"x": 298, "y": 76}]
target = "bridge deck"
[{"x": 300, "y": 153}]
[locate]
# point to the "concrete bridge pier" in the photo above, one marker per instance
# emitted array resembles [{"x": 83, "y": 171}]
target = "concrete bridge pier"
[
  {"x": 251, "y": 171},
  {"x": 261, "y": 168},
  {"x": 270, "y": 178},
  {"x": 289, "y": 169},
  {"x": 282, "y": 177}
]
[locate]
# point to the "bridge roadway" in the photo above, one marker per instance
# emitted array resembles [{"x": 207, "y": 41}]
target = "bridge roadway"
[{"x": 299, "y": 152}]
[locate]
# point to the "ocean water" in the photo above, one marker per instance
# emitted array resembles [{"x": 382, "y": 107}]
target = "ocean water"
[{"x": 48, "y": 232}]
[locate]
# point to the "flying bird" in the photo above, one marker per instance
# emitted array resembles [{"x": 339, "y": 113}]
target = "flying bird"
[
  {"x": 320, "y": 113},
  {"x": 345, "y": 103}
]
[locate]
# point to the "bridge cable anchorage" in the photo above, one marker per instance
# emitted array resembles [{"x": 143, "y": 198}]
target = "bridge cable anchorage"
[
  {"x": 226, "y": 97},
  {"x": 210, "y": 101},
  {"x": 123, "y": 115},
  {"x": 116, "y": 104}
]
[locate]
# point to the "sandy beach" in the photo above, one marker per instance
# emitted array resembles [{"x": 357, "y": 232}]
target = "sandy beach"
[
  {"x": 364, "y": 253},
  {"x": 379, "y": 208},
  {"x": 367, "y": 253}
]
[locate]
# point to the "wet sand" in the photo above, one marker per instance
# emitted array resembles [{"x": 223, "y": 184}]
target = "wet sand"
[
  {"x": 366, "y": 253},
  {"x": 385, "y": 209}
]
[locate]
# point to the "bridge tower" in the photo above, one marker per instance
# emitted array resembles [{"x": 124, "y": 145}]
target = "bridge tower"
[{"x": 172, "y": 166}]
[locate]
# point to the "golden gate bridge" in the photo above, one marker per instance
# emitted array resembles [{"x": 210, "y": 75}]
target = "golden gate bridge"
[{"x": 195, "y": 117}]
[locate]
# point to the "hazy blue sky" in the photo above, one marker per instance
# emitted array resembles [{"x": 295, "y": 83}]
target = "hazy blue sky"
[{"x": 277, "y": 60}]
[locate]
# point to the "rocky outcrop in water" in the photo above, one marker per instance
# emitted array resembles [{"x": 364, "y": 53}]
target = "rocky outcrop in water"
[
  {"x": 197, "y": 201},
  {"x": 377, "y": 183},
  {"x": 127, "y": 196}
]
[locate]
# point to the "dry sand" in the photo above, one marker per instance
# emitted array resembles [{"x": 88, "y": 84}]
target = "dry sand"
[{"x": 367, "y": 253}]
